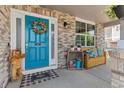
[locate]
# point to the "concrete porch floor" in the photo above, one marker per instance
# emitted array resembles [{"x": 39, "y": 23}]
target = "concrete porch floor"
[{"x": 97, "y": 77}]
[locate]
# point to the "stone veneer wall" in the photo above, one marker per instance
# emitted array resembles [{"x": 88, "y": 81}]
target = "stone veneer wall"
[
  {"x": 4, "y": 49},
  {"x": 100, "y": 36},
  {"x": 65, "y": 36}
]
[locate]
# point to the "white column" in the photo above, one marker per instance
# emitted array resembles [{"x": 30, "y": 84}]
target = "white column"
[{"x": 122, "y": 29}]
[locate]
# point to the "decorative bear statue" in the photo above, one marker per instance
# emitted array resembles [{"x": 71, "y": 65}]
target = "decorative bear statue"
[{"x": 15, "y": 59}]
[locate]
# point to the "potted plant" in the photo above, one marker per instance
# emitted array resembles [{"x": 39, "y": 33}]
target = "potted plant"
[
  {"x": 78, "y": 47},
  {"x": 119, "y": 11},
  {"x": 110, "y": 12},
  {"x": 72, "y": 48},
  {"x": 115, "y": 11}
]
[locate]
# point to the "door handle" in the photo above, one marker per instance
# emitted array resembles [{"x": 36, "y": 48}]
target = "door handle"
[{"x": 37, "y": 44}]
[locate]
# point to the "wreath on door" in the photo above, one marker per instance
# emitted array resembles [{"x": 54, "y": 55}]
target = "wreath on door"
[{"x": 38, "y": 27}]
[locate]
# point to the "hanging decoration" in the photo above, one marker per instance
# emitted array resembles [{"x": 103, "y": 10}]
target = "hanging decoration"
[{"x": 38, "y": 27}]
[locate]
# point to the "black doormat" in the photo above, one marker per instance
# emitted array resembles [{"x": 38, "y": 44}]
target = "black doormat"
[{"x": 38, "y": 77}]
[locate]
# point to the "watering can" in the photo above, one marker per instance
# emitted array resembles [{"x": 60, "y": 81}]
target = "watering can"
[{"x": 78, "y": 63}]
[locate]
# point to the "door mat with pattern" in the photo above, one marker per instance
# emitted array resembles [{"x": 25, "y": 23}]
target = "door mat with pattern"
[{"x": 38, "y": 77}]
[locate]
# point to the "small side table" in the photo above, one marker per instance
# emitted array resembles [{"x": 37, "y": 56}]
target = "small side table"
[{"x": 72, "y": 55}]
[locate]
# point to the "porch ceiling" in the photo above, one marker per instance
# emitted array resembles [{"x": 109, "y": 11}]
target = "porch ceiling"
[{"x": 93, "y": 13}]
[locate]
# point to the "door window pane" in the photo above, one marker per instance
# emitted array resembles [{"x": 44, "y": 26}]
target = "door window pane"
[
  {"x": 18, "y": 33},
  {"x": 52, "y": 27},
  {"x": 52, "y": 41}
]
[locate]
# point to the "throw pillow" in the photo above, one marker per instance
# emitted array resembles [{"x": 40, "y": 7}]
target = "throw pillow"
[
  {"x": 91, "y": 53},
  {"x": 99, "y": 51},
  {"x": 94, "y": 50}
]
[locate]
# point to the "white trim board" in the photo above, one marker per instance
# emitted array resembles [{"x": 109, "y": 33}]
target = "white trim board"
[
  {"x": 53, "y": 63},
  {"x": 30, "y": 13},
  {"x": 85, "y": 21}
]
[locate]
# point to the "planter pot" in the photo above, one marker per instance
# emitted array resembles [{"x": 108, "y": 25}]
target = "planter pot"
[
  {"x": 119, "y": 11},
  {"x": 78, "y": 49},
  {"x": 72, "y": 49}
]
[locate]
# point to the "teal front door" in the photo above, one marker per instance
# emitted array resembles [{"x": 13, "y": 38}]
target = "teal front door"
[{"x": 36, "y": 42}]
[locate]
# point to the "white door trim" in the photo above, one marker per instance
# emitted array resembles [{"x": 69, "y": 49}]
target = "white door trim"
[{"x": 53, "y": 63}]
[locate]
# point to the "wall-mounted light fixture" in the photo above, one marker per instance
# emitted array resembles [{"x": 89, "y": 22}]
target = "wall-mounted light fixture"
[{"x": 66, "y": 25}]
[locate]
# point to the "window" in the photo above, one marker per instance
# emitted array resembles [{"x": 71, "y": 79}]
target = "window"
[
  {"x": 112, "y": 35},
  {"x": 85, "y": 34}
]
